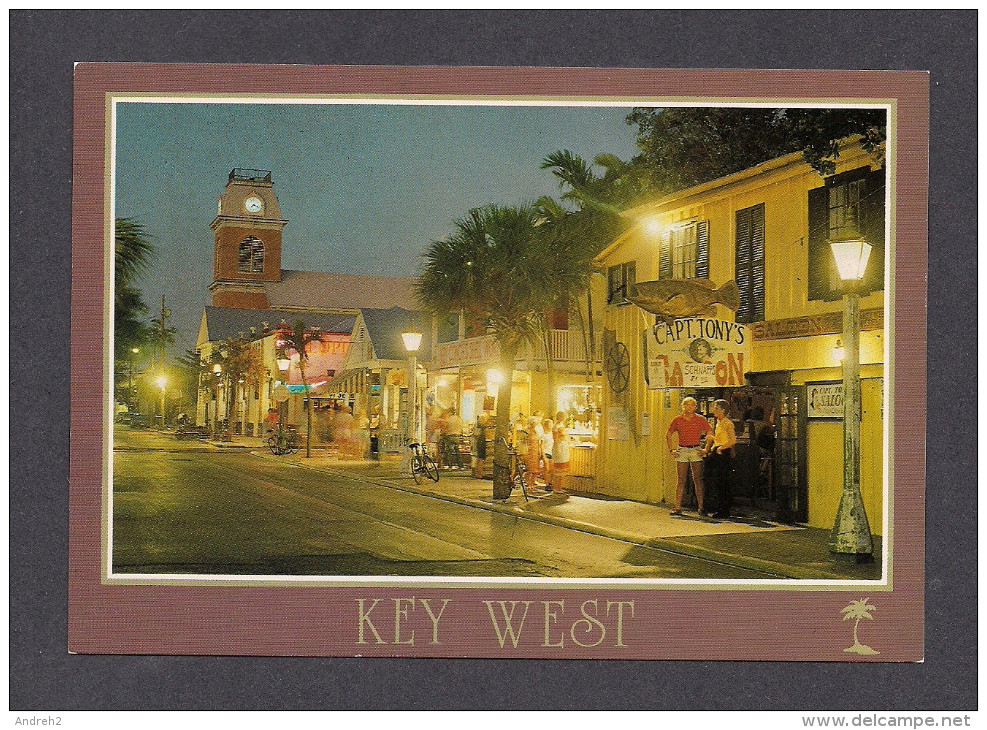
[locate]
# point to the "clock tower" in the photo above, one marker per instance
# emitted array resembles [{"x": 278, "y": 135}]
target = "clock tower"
[{"x": 247, "y": 249}]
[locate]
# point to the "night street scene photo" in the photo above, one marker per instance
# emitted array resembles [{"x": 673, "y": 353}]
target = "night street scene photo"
[{"x": 508, "y": 341}]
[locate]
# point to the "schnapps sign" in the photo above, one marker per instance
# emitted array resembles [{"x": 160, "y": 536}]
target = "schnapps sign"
[{"x": 697, "y": 352}]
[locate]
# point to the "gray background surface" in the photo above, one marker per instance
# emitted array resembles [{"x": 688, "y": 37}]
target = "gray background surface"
[{"x": 43, "y": 47}]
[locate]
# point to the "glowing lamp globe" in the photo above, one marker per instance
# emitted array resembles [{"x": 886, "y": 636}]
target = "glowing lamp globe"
[
  {"x": 412, "y": 340},
  {"x": 851, "y": 258}
]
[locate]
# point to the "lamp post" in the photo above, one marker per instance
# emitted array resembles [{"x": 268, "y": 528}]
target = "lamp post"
[
  {"x": 218, "y": 371},
  {"x": 162, "y": 383},
  {"x": 412, "y": 341},
  {"x": 851, "y": 531},
  {"x": 130, "y": 385},
  {"x": 283, "y": 364}
]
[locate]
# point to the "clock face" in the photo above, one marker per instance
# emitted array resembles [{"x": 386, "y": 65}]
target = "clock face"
[{"x": 253, "y": 204}]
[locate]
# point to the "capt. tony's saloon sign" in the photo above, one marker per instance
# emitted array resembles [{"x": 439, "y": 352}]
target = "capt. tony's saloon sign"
[{"x": 697, "y": 352}]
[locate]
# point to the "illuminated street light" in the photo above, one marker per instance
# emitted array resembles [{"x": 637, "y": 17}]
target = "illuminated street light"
[
  {"x": 851, "y": 530},
  {"x": 162, "y": 382},
  {"x": 412, "y": 341}
]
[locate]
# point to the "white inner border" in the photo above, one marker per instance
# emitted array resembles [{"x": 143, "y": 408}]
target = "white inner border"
[{"x": 110, "y": 577}]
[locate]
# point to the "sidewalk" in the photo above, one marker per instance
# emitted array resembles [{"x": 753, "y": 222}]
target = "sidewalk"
[{"x": 781, "y": 551}]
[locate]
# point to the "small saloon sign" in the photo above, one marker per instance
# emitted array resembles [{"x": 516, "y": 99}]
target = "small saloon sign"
[
  {"x": 697, "y": 352},
  {"x": 825, "y": 400}
]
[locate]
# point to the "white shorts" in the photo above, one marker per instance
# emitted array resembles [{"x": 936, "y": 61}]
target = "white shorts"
[{"x": 686, "y": 454}]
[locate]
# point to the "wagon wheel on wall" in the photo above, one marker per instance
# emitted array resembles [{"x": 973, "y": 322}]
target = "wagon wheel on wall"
[{"x": 618, "y": 366}]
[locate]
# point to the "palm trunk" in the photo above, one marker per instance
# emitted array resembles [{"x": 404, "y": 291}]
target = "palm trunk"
[
  {"x": 587, "y": 350},
  {"x": 308, "y": 408},
  {"x": 502, "y": 463},
  {"x": 550, "y": 369},
  {"x": 591, "y": 355}
]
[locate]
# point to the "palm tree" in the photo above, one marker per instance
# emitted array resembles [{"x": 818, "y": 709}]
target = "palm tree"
[
  {"x": 132, "y": 255},
  {"x": 132, "y": 250},
  {"x": 588, "y": 221},
  {"x": 494, "y": 267},
  {"x": 858, "y": 610}
]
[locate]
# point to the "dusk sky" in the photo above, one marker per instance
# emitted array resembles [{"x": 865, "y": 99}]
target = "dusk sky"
[{"x": 365, "y": 187}]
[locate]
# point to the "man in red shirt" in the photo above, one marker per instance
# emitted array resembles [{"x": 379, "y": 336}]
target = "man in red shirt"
[{"x": 690, "y": 427}]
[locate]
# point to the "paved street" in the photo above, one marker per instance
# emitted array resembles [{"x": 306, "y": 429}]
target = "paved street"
[{"x": 186, "y": 507}]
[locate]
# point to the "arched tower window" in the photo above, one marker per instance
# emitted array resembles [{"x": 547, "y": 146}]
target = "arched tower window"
[{"x": 251, "y": 260}]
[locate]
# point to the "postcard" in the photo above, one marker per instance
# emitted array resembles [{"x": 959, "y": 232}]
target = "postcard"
[{"x": 498, "y": 362}]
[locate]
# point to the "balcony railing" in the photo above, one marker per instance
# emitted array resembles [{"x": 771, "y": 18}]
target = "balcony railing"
[{"x": 567, "y": 347}]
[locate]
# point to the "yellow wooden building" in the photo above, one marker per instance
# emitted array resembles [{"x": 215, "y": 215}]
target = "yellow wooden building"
[{"x": 768, "y": 229}]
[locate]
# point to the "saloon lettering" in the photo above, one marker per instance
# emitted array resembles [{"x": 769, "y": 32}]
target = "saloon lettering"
[{"x": 698, "y": 352}]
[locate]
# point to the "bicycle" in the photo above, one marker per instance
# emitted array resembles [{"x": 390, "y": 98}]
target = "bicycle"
[
  {"x": 452, "y": 457},
  {"x": 283, "y": 441},
  {"x": 517, "y": 469},
  {"x": 422, "y": 463}
]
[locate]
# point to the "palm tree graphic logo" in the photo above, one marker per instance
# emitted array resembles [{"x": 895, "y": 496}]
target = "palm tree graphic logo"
[{"x": 858, "y": 610}]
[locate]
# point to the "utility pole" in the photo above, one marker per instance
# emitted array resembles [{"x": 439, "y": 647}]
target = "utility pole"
[{"x": 165, "y": 313}]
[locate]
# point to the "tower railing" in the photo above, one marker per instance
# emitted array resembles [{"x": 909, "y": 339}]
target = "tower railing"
[{"x": 248, "y": 175}]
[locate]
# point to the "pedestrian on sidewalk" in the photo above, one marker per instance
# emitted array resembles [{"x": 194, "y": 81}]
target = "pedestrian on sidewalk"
[
  {"x": 560, "y": 453},
  {"x": 480, "y": 446},
  {"x": 533, "y": 453},
  {"x": 452, "y": 431},
  {"x": 719, "y": 452},
  {"x": 690, "y": 428},
  {"x": 547, "y": 443}
]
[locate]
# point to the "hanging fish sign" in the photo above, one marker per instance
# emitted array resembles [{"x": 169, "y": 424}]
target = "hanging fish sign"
[{"x": 673, "y": 298}]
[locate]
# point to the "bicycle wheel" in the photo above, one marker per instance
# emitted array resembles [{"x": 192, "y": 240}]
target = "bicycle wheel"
[
  {"x": 272, "y": 444},
  {"x": 291, "y": 446},
  {"x": 519, "y": 480},
  {"x": 431, "y": 470},
  {"x": 417, "y": 468}
]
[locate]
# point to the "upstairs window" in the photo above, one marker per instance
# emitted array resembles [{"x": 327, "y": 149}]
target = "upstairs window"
[
  {"x": 850, "y": 205},
  {"x": 685, "y": 252},
  {"x": 619, "y": 278},
  {"x": 448, "y": 328},
  {"x": 251, "y": 256}
]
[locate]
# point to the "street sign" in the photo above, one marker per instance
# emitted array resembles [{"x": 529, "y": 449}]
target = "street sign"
[{"x": 281, "y": 393}]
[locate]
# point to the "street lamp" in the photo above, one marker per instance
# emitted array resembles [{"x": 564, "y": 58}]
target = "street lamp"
[
  {"x": 217, "y": 370},
  {"x": 412, "y": 341},
  {"x": 162, "y": 382},
  {"x": 130, "y": 385},
  {"x": 284, "y": 362},
  {"x": 851, "y": 530}
]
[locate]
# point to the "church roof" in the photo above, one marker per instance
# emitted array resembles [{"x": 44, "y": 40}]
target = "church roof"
[
  {"x": 220, "y": 323},
  {"x": 326, "y": 290},
  {"x": 384, "y": 327}
]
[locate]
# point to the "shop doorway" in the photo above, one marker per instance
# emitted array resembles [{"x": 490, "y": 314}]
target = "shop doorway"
[{"x": 777, "y": 465}]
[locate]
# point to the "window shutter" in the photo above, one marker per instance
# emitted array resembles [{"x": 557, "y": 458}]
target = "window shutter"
[
  {"x": 702, "y": 250},
  {"x": 757, "y": 263},
  {"x": 821, "y": 264},
  {"x": 743, "y": 263},
  {"x": 872, "y": 212},
  {"x": 665, "y": 257},
  {"x": 750, "y": 263}
]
